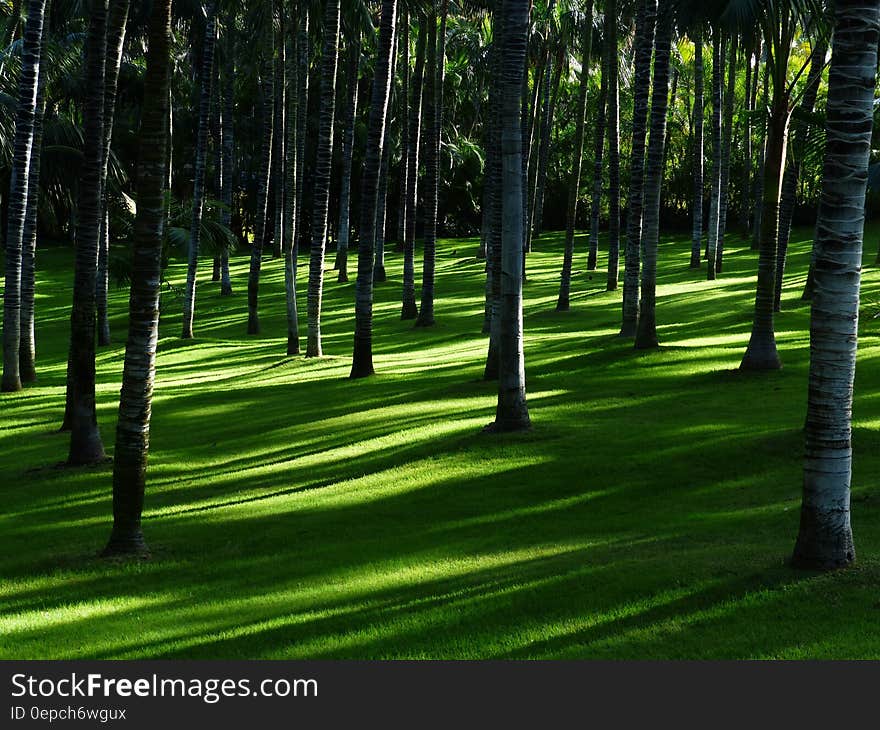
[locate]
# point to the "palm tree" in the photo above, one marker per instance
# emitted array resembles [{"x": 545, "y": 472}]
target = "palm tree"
[
  {"x": 646, "y": 335},
  {"x": 403, "y": 102},
  {"x": 291, "y": 185},
  {"x": 85, "y": 439},
  {"x": 697, "y": 206},
  {"x": 228, "y": 141},
  {"x": 598, "y": 146},
  {"x": 574, "y": 181},
  {"x": 19, "y": 190},
  {"x": 613, "y": 148},
  {"x": 715, "y": 200},
  {"x": 321, "y": 180},
  {"x": 379, "y": 274},
  {"x": 117, "y": 17},
  {"x": 547, "y": 109},
  {"x": 207, "y": 76},
  {"x": 646, "y": 14},
  {"x": 362, "y": 360},
  {"x": 494, "y": 184},
  {"x": 512, "y": 413},
  {"x": 825, "y": 536},
  {"x": 724, "y": 201},
  {"x": 27, "y": 350},
  {"x": 433, "y": 115},
  {"x": 135, "y": 403},
  {"x": 279, "y": 140},
  {"x": 267, "y": 89},
  {"x": 352, "y": 75},
  {"x": 301, "y": 125},
  {"x": 799, "y": 135},
  {"x": 409, "y": 309}
]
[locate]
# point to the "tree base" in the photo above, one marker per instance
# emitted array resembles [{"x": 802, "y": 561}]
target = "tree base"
[
  {"x": 225, "y": 291},
  {"x": 186, "y": 335},
  {"x": 253, "y": 327},
  {"x": 425, "y": 320},
  {"x": 761, "y": 356},
  {"x": 11, "y": 384},
  {"x": 563, "y": 305},
  {"x": 820, "y": 548},
  {"x": 628, "y": 330},
  {"x": 130, "y": 545},
  {"x": 343, "y": 277},
  {"x": 409, "y": 311},
  {"x": 379, "y": 275},
  {"x": 293, "y": 346},
  {"x": 359, "y": 371},
  {"x": 509, "y": 425}
]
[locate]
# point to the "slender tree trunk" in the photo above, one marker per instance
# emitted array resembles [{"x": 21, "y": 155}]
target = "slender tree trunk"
[
  {"x": 613, "y": 151},
  {"x": 362, "y": 361},
  {"x": 403, "y": 171},
  {"x": 598, "y": 146},
  {"x": 825, "y": 538},
  {"x": 715, "y": 201},
  {"x": 409, "y": 309},
  {"x": 758, "y": 196},
  {"x": 27, "y": 352},
  {"x": 646, "y": 335},
  {"x": 697, "y": 205},
  {"x": 546, "y": 126},
  {"x": 228, "y": 105},
  {"x": 724, "y": 201},
  {"x": 291, "y": 185},
  {"x": 379, "y": 275},
  {"x": 494, "y": 173},
  {"x": 23, "y": 144},
  {"x": 321, "y": 186},
  {"x": 117, "y": 17},
  {"x": 352, "y": 75},
  {"x": 433, "y": 115},
  {"x": 512, "y": 413},
  {"x": 135, "y": 403},
  {"x": 85, "y": 439},
  {"x": 793, "y": 168},
  {"x": 279, "y": 139},
  {"x": 646, "y": 15},
  {"x": 267, "y": 90},
  {"x": 574, "y": 182},
  {"x": 745, "y": 206},
  {"x": 302, "y": 128}
]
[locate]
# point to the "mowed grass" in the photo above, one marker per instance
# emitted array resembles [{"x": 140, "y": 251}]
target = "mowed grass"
[{"x": 294, "y": 513}]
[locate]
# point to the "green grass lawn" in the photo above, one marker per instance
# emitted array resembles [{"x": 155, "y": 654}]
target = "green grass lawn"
[{"x": 293, "y": 513}]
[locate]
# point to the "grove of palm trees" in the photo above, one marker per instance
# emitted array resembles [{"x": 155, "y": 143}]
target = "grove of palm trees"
[{"x": 468, "y": 329}]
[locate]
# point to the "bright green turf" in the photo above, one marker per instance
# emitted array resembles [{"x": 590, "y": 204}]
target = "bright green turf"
[{"x": 294, "y": 513}]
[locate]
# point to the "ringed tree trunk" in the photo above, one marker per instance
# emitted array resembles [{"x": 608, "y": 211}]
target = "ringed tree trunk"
[
  {"x": 352, "y": 76},
  {"x": 27, "y": 352},
  {"x": 291, "y": 183},
  {"x": 758, "y": 196},
  {"x": 267, "y": 91},
  {"x": 697, "y": 205},
  {"x": 279, "y": 138},
  {"x": 433, "y": 115},
  {"x": 493, "y": 172},
  {"x": 825, "y": 537},
  {"x": 228, "y": 136},
  {"x": 724, "y": 202},
  {"x": 321, "y": 186},
  {"x": 799, "y": 134},
  {"x": 613, "y": 151},
  {"x": 715, "y": 201},
  {"x": 189, "y": 300},
  {"x": 85, "y": 439},
  {"x": 598, "y": 146},
  {"x": 646, "y": 16},
  {"x": 512, "y": 413},
  {"x": 551, "y": 78},
  {"x": 117, "y": 18},
  {"x": 19, "y": 192},
  {"x": 362, "y": 361},
  {"x": 409, "y": 308},
  {"x": 135, "y": 402},
  {"x": 574, "y": 181},
  {"x": 403, "y": 170},
  {"x": 379, "y": 275},
  {"x": 301, "y": 127},
  {"x": 646, "y": 335}
]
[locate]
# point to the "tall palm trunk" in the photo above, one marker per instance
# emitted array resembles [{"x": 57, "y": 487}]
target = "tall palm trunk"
[
  {"x": 267, "y": 92},
  {"x": 697, "y": 204},
  {"x": 715, "y": 201},
  {"x": 598, "y": 146},
  {"x": 352, "y": 75},
  {"x": 135, "y": 403},
  {"x": 724, "y": 202},
  {"x": 792, "y": 170},
  {"x": 409, "y": 309},
  {"x": 646, "y": 16},
  {"x": 825, "y": 536},
  {"x": 27, "y": 352},
  {"x": 745, "y": 185},
  {"x": 228, "y": 137},
  {"x": 403, "y": 102},
  {"x": 433, "y": 115},
  {"x": 279, "y": 138},
  {"x": 207, "y": 77},
  {"x": 10, "y": 29},
  {"x": 613, "y": 150},
  {"x": 19, "y": 190},
  {"x": 574, "y": 181},
  {"x": 379, "y": 274},
  {"x": 362, "y": 360},
  {"x": 758, "y": 194},
  {"x": 512, "y": 412},
  {"x": 301, "y": 126},
  {"x": 646, "y": 335},
  {"x": 321, "y": 185},
  {"x": 291, "y": 185},
  {"x": 537, "y": 219},
  {"x": 117, "y": 17}
]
